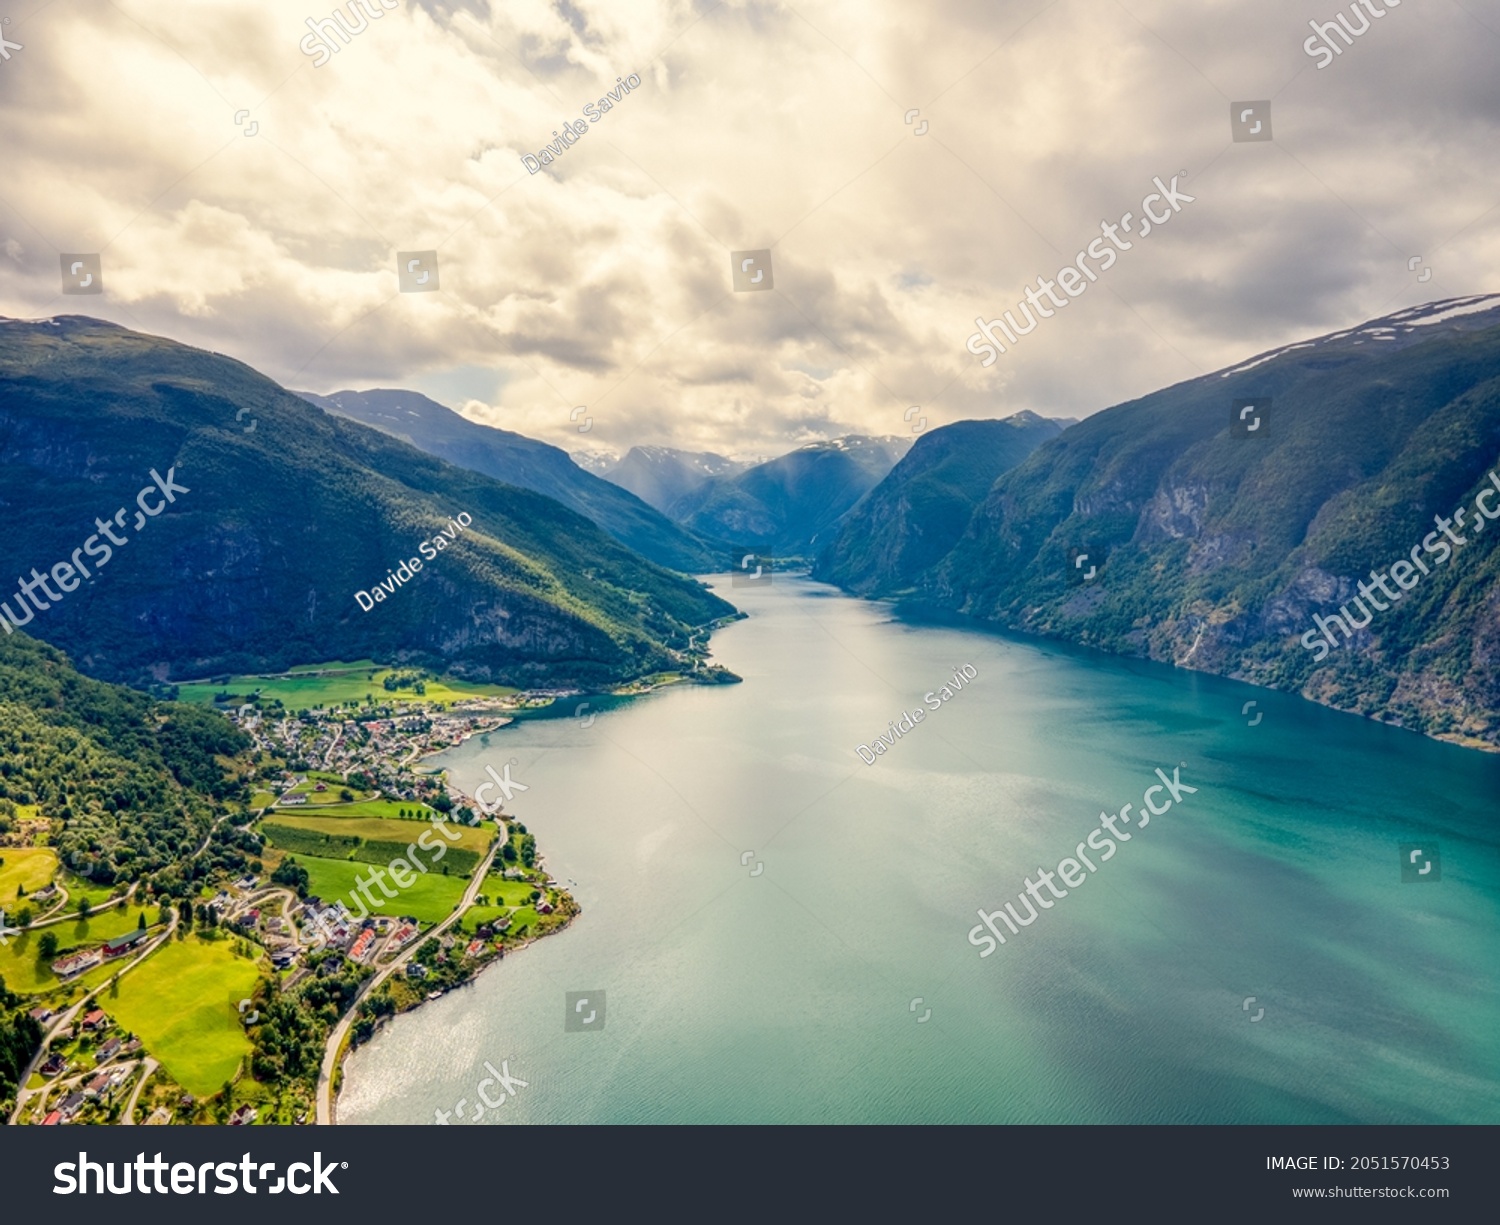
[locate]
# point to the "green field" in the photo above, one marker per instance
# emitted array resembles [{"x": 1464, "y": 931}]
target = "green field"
[
  {"x": 334, "y": 684},
  {"x": 25, "y": 867},
  {"x": 506, "y": 896},
  {"x": 430, "y": 899},
  {"x": 472, "y": 838},
  {"x": 18, "y": 958},
  {"x": 181, "y": 1003},
  {"x": 390, "y": 809},
  {"x": 77, "y": 888}
]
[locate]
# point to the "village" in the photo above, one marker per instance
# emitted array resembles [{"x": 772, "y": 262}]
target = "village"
[{"x": 336, "y": 793}]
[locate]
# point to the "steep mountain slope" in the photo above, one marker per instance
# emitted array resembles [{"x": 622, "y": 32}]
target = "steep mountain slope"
[
  {"x": 919, "y": 511},
  {"x": 1214, "y": 547},
  {"x": 278, "y": 514},
  {"x": 524, "y": 462},
  {"x": 135, "y": 782},
  {"x": 788, "y": 504},
  {"x": 659, "y": 476}
]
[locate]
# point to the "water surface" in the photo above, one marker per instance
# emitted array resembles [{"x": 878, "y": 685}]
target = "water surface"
[{"x": 782, "y": 988}]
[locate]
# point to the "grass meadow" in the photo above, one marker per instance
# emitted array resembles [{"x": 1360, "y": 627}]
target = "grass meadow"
[
  {"x": 333, "y": 684},
  {"x": 181, "y": 1003}
]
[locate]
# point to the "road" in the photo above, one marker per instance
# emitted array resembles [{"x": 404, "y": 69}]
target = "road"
[
  {"x": 23, "y": 1095},
  {"x": 150, "y": 1065},
  {"x": 122, "y": 900},
  {"x": 336, "y": 1038}
]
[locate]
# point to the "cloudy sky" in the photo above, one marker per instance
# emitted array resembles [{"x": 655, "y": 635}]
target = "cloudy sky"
[{"x": 604, "y": 281}]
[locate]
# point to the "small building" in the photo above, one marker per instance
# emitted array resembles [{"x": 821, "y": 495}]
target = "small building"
[
  {"x": 107, "y": 1050},
  {"x": 288, "y": 801},
  {"x": 96, "y": 1086},
  {"x": 243, "y": 1117},
  {"x": 76, "y": 963},
  {"x": 41, "y": 1015},
  {"x": 72, "y": 1104},
  {"x": 123, "y": 944},
  {"x": 53, "y": 1119},
  {"x": 96, "y": 1020},
  {"x": 416, "y": 970}
]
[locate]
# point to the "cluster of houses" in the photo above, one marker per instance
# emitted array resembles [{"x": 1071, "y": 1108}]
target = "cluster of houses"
[
  {"x": 75, "y": 964},
  {"x": 102, "y": 1085},
  {"x": 331, "y": 926},
  {"x": 313, "y": 736}
]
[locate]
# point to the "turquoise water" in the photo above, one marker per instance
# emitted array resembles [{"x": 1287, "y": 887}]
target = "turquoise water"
[{"x": 788, "y": 995}]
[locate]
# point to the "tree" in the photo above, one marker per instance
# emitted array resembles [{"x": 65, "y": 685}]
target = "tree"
[
  {"x": 83, "y": 908},
  {"x": 185, "y": 911},
  {"x": 25, "y": 917},
  {"x": 140, "y": 923},
  {"x": 345, "y": 794},
  {"x": 46, "y": 947}
]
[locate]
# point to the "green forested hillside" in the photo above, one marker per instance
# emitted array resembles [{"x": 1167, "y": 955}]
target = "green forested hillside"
[
  {"x": 1215, "y": 551},
  {"x": 134, "y": 781},
  {"x": 256, "y": 565},
  {"x": 527, "y": 463},
  {"x": 911, "y": 519}
]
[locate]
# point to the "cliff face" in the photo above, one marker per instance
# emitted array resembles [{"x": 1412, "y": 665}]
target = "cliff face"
[
  {"x": 919, "y": 511},
  {"x": 1214, "y": 546},
  {"x": 281, "y": 514}
]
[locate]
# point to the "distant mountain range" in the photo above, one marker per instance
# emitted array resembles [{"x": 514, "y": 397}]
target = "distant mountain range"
[
  {"x": 527, "y": 463},
  {"x": 278, "y": 514},
  {"x": 790, "y": 504},
  {"x": 660, "y": 476},
  {"x": 1209, "y": 523}
]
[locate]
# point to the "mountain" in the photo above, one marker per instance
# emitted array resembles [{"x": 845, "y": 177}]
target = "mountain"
[
  {"x": 1167, "y": 527},
  {"x": 594, "y": 459},
  {"x": 259, "y": 517},
  {"x": 919, "y": 511},
  {"x": 659, "y": 476},
  {"x": 787, "y": 505},
  {"x": 518, "y": 460}
]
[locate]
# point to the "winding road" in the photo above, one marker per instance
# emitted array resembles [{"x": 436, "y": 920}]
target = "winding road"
[{"x": 341, "y": 1030}]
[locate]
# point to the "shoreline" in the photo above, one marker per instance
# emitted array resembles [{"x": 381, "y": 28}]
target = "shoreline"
[
  {"x": 341, "y": 1042},
  {"x": 917, "y": 612},
  {"x": 347, "y": 1049}
]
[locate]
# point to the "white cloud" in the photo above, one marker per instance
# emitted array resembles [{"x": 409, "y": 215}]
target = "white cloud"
[{"x": 604, "y": 281}]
